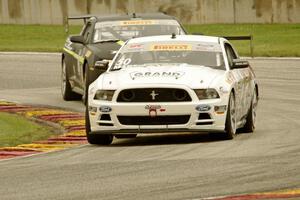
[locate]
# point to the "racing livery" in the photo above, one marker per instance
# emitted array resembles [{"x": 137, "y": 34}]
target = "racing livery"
[
  {"x": 178, "y": 83},
  {"x": 99, "y": 40}
]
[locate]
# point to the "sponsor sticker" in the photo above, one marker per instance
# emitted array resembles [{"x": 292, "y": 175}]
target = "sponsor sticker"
[
  {"x": 171, "y": 47},
  {"x": 135, "y": 46},
  {"x": 88, "y": 53},
  {"x": 230, "y": 78},
  {"x": 210, "y": 47},
  {"x": 153, "y": 109},
  {"x": 138, "y": 22}
]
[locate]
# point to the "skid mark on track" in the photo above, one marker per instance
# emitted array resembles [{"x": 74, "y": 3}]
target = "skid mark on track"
[{"x": 71, "y": 122}]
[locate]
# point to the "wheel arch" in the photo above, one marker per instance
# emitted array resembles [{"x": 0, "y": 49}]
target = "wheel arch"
[
  {"x": 256, "y": 90},
  {"x": 62, "y": 58},
  {"x": 84, "y": 65}
]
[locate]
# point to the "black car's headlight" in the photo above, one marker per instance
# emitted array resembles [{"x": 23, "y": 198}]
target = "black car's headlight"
[
  {"x": 209, "y": 93},
  {"x": 104, "y": 95}
]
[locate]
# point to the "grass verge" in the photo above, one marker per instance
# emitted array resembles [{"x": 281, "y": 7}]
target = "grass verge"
[
  {"x": 15, "y": 130},
  {"x": 269, "y": 39}
]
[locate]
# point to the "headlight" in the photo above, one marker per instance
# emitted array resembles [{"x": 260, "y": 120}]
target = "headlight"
[
  {"x": 209, "y": 93},
  {"x": 104, "y": 95}
]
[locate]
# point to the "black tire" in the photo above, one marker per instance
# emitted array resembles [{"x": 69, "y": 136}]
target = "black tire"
[
  {"x": 230, "y": 124},
  {"x": 121, "y": 136},
  {"x": 99, "y": 139},
  {"x": 87, "y": 82},
  {"x": 250, "y": 120},
  {"x": 66, "y": 89},
  {"x": 87, "y": 121}
]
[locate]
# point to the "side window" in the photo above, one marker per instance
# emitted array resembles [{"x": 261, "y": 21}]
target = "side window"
[
  {"x": 86, "y": 32},
  {"x": 230, "y": 54}
]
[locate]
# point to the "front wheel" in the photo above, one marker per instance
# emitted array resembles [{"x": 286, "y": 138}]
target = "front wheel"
[
  {"x": 86, "y": 83},
  {"x": 95, "y": 138},
  {"x": 230, "y": 124},
  {"x": 121, "y": 136},
  {"x": 66, "y": 89},
  {"x": 100, "y": 139}
]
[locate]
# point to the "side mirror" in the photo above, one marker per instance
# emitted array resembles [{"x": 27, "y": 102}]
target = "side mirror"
[
  {"x": 77, "y": 39},
  {"x": 102, "y": 65},
  {"x": 237, "y": 64}
]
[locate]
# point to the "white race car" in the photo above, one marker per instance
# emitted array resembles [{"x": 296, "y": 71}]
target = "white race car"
[{"x": 172, "y": 84}]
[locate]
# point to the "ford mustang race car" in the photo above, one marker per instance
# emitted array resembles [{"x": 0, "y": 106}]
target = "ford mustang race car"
[
  {"x": 178, "y": 83},
  {"x": 99, "y": 39}
]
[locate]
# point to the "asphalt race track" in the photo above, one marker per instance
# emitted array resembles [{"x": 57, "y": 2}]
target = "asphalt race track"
[{"x": 157, "y": 167}]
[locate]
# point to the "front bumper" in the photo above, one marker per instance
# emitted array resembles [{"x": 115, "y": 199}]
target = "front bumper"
[{"x": 199, "y": 121}]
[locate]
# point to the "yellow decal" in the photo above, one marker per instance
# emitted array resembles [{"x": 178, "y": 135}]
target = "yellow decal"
[
  {"x": 120, "y": 42},
  {"x": 171, "y": 47},
  {"x": 88, "y": 53},
  {"x": 75, "y": 55},
  {"x": 138, "y": 22}
]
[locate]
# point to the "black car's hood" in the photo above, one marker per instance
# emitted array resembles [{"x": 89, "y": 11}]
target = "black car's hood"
[{"x": 105, "y": 50}]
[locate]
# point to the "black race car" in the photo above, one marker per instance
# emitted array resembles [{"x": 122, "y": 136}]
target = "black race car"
[{"x": 99, "y": 40}]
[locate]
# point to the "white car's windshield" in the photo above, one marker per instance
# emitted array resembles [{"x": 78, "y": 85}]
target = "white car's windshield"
[
  {"x": 124, "y": 30},
  {"x": 205, "y": 54}
]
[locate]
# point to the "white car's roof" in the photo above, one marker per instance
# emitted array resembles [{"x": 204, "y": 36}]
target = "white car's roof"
[{"x": 183, "y": 38}]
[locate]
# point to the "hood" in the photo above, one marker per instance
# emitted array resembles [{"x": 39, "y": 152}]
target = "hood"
[
  {"x": 104, "y": 50},
  {"x": 175, "y": 74}
]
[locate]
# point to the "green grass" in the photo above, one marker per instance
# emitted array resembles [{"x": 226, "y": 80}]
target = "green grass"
[
  {"x": 269, "y": 39},
  {"x": 15, "y": 130},
  {"x": 40, "y": 38}
]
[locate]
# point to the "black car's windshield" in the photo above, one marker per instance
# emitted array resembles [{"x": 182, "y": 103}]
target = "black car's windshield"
[
  {"x": 124, "y": 30},
  {"x": 205, "y": 54}
]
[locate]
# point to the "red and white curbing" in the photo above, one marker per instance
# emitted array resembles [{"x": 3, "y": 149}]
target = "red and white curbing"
[
  {"x": 281, "y": 194},
  {"x": 71, "y": 122}
]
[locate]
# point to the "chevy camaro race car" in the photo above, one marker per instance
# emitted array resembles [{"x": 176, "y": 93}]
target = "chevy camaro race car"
[
  {"x": 100, "y": 38},
  {"x": 178, "y": 83}
]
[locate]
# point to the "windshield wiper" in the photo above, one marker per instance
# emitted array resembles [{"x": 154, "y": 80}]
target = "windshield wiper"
[
  {"x": 115, "y": 69},
  {"x": 103, "y": 41}
]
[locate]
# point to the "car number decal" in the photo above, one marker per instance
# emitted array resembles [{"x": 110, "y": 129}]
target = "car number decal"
[{"x": 122, "y": 63}]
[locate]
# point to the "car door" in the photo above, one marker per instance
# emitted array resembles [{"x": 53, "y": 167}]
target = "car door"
[
  {"x": 80, "y": 50},
  {"x": 239, "y": 81}
]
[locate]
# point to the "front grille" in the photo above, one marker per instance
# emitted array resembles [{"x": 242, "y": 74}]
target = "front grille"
[
  {"x": 153, "y": 95},
  {"x": 158, "y": 120}
]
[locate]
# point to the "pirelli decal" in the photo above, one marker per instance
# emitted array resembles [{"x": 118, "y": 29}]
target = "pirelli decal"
[
  {"x": 138, "y": 22},
  {"x": 171, "y": 47}
]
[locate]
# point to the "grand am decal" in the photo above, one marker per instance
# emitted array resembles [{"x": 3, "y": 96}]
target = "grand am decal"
[{"x": 176, "y": 75}]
